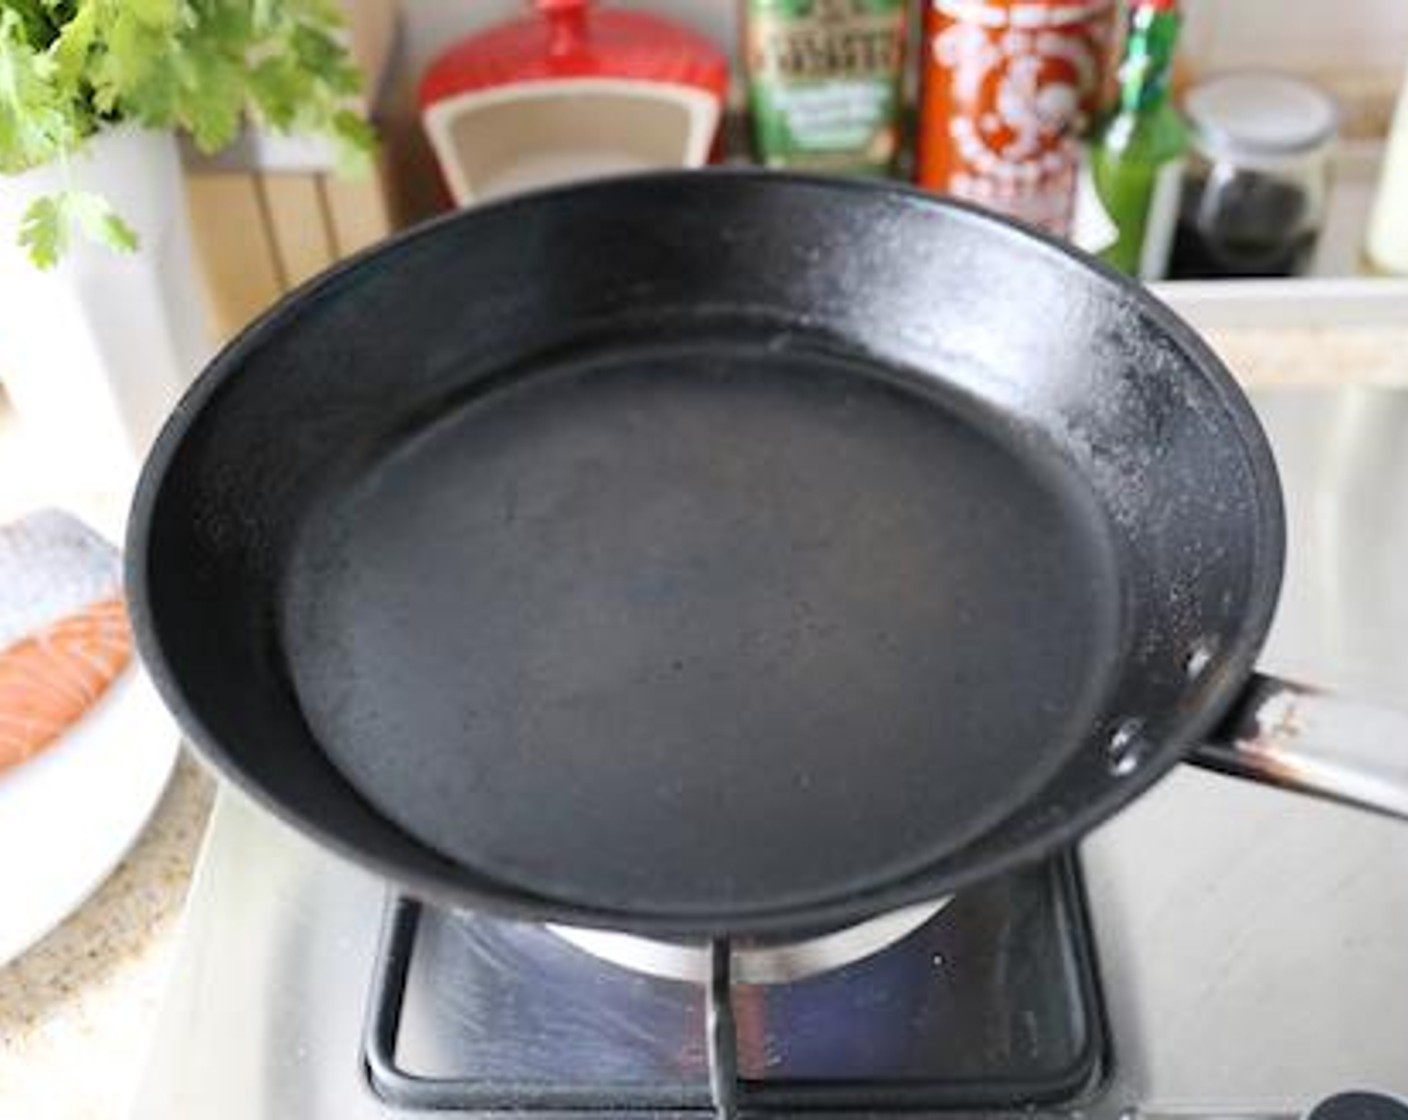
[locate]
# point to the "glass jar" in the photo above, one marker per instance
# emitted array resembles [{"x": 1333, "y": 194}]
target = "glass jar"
[{"x": 1254, "y": 194}]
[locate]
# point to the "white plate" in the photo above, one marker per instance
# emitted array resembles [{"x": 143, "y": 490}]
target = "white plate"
[{"x": 69, "y": 815}]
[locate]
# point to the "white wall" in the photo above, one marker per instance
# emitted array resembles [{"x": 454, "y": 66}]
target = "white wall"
[{"x": 1303, "y": 35}]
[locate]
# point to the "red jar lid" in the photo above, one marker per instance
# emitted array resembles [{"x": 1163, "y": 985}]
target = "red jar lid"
[{"x": 565, "y": 39}]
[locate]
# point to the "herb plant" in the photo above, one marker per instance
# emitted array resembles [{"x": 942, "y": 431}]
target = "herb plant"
[{"x": 71, "y": 68}]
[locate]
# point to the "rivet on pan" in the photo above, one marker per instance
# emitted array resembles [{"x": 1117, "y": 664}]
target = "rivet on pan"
[
  {"x": 1198, "y": 659},
  {"x": 1125, "y": 750}
]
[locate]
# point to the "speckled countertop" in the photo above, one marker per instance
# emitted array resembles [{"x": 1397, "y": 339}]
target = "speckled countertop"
[
  {"x": 76, "y": 1010},
  {"x": 1318, "y": 356}
]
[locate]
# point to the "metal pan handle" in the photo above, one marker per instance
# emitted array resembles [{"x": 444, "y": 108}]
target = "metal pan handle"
[{"x": 1314, "y": 742}]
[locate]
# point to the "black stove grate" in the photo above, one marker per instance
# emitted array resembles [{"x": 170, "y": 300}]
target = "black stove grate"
[{"x": 993, "y": 1004}]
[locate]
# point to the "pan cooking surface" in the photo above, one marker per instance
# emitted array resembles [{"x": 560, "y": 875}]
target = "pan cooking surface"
[{"x": 684, "y": 627}]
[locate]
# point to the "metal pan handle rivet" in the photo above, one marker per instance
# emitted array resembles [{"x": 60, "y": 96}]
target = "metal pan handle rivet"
[
  {"x": 1127, "y": 748},
  {"x": 1199, "y": 658}
]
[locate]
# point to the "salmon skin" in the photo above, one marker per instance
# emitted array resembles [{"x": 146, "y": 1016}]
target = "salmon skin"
[
  {"x": 64, "y": 633},
  {"x": 49, "y": 680}
]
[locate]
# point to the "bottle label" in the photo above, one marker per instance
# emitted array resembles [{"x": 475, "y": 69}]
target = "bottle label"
[
  {"x": 1005, "y": 88},
  {"x": 1092, "y": 228},
  {"x": 1161, "y": 221},
  {"x": 824, "y": 80}
]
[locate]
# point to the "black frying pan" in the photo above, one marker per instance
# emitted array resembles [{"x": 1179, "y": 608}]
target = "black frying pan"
[{"x": 711, "y": 553}]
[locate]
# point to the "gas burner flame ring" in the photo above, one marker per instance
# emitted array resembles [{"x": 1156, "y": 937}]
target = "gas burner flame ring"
[{"x": 758, "y": 964}]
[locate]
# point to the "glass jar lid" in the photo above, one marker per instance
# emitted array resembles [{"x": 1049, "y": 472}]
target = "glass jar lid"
[{"x": 1260, "y": 115}]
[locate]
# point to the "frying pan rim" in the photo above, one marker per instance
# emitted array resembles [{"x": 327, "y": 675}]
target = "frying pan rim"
[{"x": 1236, "y": 659}]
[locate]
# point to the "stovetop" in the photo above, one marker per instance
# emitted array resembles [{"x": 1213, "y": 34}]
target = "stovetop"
[
  {"x": 1252, "y": 946},
  {"x": 992, "y": 1003}
]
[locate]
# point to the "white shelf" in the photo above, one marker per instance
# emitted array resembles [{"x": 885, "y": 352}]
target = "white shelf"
[{"x": 1334, "y": 294}]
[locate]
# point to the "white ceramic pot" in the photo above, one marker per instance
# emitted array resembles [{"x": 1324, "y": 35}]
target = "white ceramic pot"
[{"x": 95, "y": 351}]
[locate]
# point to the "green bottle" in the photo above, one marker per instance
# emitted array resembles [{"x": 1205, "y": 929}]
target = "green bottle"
[
  {"x": 1137, "y": 154},
  {"x": 824, "y": 82}
]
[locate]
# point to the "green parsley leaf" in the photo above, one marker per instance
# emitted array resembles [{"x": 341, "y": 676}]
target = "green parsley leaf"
[
  {"x": 34, "y": 124},
  {"x": 69, "y": 68},
  {"x": 94, "y": 215},
  {"x": 43, "y": 231},
  {"x": 73, "y": 45},
  {"x": 48, "y": 221}
]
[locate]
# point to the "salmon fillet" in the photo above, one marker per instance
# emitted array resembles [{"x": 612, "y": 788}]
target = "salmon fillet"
[{"x": 50, "y": 678}]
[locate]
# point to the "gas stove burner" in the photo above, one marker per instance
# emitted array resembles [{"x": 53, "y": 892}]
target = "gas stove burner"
[
  {"x": 988, "y": 1001},
  {"x": 753, "y": 964}
]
